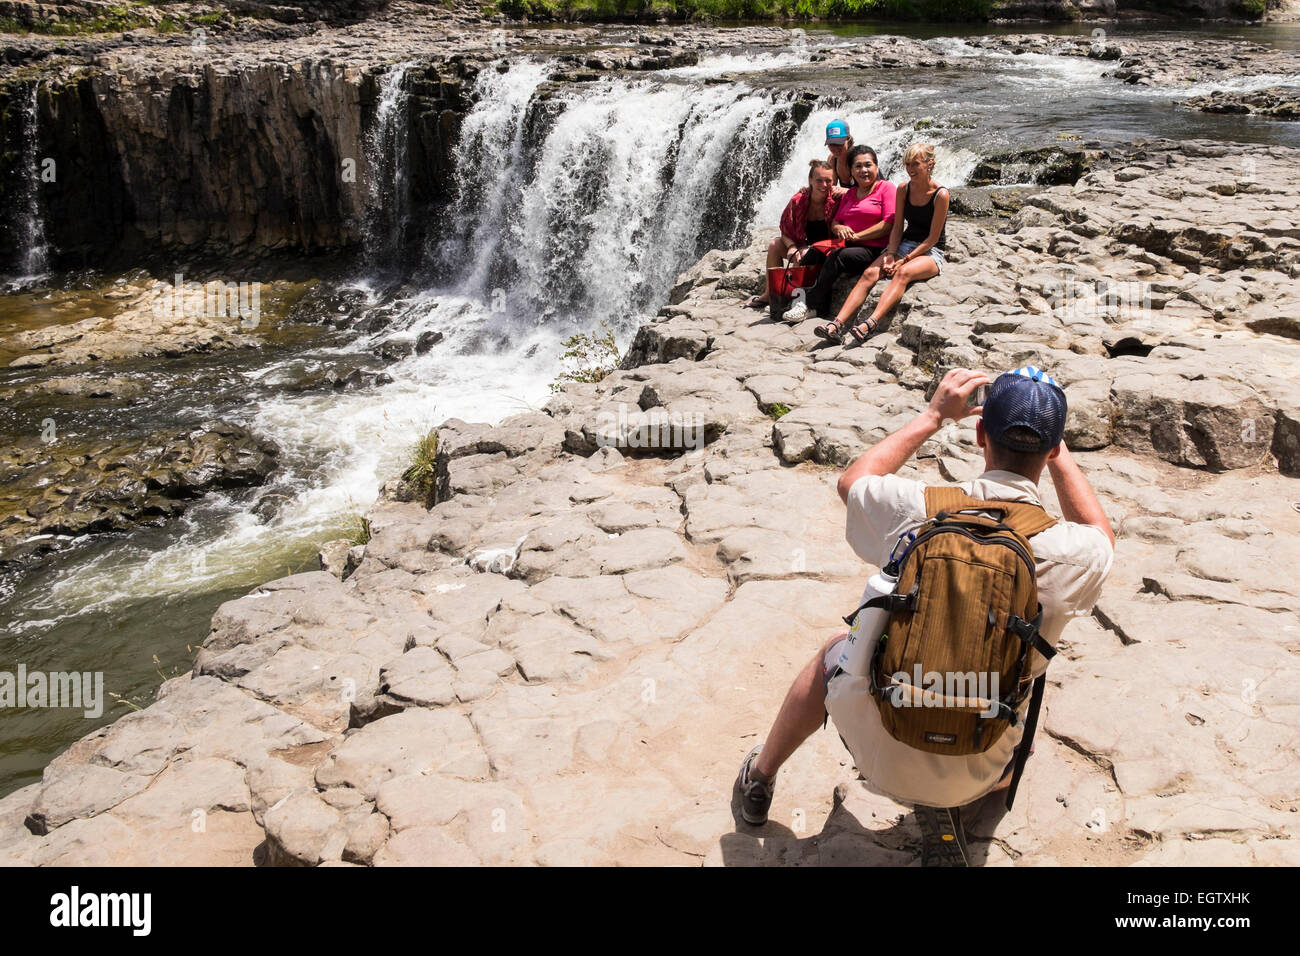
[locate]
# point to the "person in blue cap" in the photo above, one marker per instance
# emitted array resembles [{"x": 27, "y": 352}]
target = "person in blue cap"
[
  {"x": 839, "y": 142},
  {"x": 1021, "y": 432}
]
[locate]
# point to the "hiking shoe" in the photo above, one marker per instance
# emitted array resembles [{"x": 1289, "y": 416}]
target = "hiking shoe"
[
  {"x": 755, "y": 797},
  {"x": 797, "y": 310},
  {"x": 943, "y": 838}
]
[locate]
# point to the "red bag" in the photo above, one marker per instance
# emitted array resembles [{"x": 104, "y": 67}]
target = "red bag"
[{"x": 785, "y": 279}]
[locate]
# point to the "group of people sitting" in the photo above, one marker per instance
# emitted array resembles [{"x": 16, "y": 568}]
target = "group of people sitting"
[{"x": 893, "y": 231}]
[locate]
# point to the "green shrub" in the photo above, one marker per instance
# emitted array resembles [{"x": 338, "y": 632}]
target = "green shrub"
[
  {"x": 591, "y": 355},
  {"x": 421, "y": 473},
  {"x": 356, "y": 528}
]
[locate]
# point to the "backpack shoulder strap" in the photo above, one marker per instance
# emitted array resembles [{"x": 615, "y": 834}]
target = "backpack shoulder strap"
[
  {"x": 1026, "y": 739},
  {"x": 942, "y": 498},
  {"x": 1024, "y": 517}
]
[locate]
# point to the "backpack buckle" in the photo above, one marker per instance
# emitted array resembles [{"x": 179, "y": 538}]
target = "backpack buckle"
[{"x": 1028, "y": 633}]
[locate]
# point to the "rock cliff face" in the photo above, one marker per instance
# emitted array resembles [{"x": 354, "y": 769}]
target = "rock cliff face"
[
  {"x": 564, "y": 660},
  {"x": 210, "y": 160}
]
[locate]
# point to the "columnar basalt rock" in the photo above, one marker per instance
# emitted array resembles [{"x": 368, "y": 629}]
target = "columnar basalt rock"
[{"x": 205, "y": 157}]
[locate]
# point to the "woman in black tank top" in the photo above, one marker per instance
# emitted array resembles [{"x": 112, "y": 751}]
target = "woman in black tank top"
[
  {"x": 916, "y": 246},
  {"x": 918, "y": 220}
]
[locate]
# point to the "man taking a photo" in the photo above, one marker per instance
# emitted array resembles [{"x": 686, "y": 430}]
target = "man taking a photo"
[{"x": 1020, "y": 432}]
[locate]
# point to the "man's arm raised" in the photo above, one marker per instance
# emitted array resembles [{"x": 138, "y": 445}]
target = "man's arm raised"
[
  {"x": 889, "y": 455},
  {"x": 1078, "y": 501}
]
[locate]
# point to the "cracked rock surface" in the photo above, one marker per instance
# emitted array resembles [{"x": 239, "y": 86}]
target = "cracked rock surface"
[{"x": 588, "y": 697}]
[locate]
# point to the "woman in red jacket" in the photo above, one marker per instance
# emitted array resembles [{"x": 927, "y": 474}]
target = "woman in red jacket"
[{"x": 807, "y": 219}]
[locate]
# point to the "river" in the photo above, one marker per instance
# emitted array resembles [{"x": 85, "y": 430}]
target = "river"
[{"x": 570, "y": 210}]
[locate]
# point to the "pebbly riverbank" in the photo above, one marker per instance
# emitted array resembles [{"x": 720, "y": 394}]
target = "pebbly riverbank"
[{"x": 589, "y": 699}]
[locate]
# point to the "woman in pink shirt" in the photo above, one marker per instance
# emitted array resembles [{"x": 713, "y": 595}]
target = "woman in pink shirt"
[
  {"x": 863, "y": 220},
  {"x": 806, "y": 219}
]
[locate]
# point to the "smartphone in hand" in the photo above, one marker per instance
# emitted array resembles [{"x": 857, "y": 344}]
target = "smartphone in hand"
[{"x": 978, "y": 397}]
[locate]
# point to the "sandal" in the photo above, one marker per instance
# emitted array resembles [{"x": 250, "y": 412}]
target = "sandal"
[
  {"x": 831, "y": 331},
  {"x": 757, "y": 302},
  {"x": 862, "y": 336}
]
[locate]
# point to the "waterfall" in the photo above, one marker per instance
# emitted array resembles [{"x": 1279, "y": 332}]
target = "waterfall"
[
  {"x": 490, "y": 161},
  {"x": 34, "y": 260},
  {"x": 573, "y": 203},
  {"x": 388, "y": 211},
  {"x": 622, "y": 184}
]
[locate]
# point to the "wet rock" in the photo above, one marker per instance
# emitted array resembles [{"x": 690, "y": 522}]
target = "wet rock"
[
  {"x": 1048, "y": 166},
  {"x": 114, "y": 387},
  {"x": 394, "y": 350},
  {"x": 426, "y": 341},
  {"x": 1275, "y": 103},
  {"x": 164, "y": 320},
  {"x": 57, "y": 491}
]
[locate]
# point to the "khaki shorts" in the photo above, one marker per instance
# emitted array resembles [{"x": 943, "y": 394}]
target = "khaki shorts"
[{"x": 831, "y": 668}]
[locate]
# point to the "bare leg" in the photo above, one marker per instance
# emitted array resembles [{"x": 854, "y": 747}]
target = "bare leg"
[
  {"x": 857, "y": 295},
  {"x": 917, "y": 269},
  {"x": 801, "y": 713}
]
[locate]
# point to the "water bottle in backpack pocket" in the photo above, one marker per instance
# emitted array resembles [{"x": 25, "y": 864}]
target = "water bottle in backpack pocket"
[{"x": 868, "y": 625}]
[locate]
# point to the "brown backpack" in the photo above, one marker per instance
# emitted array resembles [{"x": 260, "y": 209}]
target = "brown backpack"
[{"x": 952, "y": 669}]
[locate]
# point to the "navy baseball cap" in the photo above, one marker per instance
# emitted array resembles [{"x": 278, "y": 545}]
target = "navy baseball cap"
[{"x": 1027, "y": 398}]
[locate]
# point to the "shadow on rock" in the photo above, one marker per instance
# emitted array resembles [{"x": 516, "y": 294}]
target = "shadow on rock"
[{"x": 844, "y": 841}]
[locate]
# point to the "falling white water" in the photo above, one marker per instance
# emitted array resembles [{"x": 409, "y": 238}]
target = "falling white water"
[
  {"x": 491, "y": 165},
  {"x": 630, "y": 180},
  {"x": 386, "y": 163},
  {"x": 622, "y": 185},
  {"x": 34, "y": 262}
]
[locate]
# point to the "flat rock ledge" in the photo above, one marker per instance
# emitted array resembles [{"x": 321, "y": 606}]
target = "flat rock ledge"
[{"x": 565, "y": 658}]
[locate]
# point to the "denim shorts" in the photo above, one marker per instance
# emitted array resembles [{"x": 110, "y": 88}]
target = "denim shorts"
[{"x": 936, "y": 254}]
